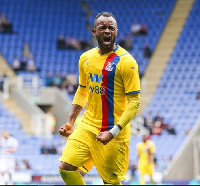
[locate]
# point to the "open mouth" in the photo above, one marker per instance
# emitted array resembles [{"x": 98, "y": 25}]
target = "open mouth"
[{"x": 107, "y": 39}]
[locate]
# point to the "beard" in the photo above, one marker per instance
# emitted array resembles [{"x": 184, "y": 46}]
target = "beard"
[{"x": 104, "y": 44}]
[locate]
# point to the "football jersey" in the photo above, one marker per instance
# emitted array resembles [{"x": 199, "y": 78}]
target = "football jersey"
[
  {"x": 108, "y": 79},
  {"x": 143, "y": 149}
]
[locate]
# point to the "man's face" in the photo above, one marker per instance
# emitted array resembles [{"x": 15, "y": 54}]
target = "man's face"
[
  {"x": 144, "y": 138},
  {"x": 105, "y": 32},
  {"x": 5, "y": 134}
]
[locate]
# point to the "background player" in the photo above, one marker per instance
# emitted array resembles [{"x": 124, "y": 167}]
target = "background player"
[
  {"x": 108, "y": 79},
  {"x": 146, "y": 150},
  {"x": 8, "y": 146}
]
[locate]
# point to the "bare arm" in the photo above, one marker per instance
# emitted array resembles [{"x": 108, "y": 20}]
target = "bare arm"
[
  {"x": 75, "y": 111},
  {"x": 66, "y": 129}
]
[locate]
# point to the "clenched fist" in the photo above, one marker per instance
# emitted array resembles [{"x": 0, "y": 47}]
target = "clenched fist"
[
  {"x": 65, "y": 130},
  {"x": 104, "y": 137}
]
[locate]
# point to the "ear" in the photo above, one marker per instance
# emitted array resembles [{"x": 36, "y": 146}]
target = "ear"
[{"x": 94, "y": 32}]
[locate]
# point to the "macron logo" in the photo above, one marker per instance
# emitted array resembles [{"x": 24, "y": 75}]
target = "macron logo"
[{"x": 96, "y": 77}]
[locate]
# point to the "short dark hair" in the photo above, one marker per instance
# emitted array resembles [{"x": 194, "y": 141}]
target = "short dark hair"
[{"x": 105, "y": 14}]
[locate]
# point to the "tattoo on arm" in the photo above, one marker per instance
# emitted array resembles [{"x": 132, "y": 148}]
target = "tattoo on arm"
[{"x": 76, "y": 109}]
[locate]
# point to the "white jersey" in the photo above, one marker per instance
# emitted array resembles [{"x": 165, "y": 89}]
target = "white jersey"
[{"x": 6, "y": 144}]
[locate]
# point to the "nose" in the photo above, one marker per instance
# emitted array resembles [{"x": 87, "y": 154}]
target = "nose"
[{"x": 107, "y": 30}]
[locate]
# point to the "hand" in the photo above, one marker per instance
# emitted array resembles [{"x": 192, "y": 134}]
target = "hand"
[
  {"x": 104, "y": 137},
  {"x": 65, "y": 130}
]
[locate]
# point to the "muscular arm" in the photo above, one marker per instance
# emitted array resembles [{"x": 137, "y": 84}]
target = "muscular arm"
[
  {"x": 75, "y": 111},
  {"x": 78, "y": 104}
]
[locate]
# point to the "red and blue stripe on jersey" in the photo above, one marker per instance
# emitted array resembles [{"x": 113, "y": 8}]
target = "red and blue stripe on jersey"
[{"x": 107, "y": 98}]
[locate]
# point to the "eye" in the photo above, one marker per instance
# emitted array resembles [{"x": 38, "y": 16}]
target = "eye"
[
  {"x": 111, "y": 28},
  {"x": 102, "y": 27}
]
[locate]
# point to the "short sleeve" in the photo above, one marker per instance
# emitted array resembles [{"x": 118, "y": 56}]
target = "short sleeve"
[{"x": 130, "y": 76}]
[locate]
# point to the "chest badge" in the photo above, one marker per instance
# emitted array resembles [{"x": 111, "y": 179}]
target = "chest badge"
[{"x": 109, "y": 66}]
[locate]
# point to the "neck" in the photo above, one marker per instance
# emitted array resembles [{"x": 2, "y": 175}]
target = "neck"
[{"x": 103, "y": 51}]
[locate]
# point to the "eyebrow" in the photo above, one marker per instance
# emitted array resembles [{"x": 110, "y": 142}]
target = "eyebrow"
[
  {"x": 102, "y": 24},
  {"x": 106, "y": 25}
]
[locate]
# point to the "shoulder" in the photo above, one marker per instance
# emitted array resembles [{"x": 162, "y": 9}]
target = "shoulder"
[
  {"x": 151, "y": 143},
  {"x": 88, "y": 54},
  {"x": 126, "y": 57},
  {"x": 139, "y": 145}
]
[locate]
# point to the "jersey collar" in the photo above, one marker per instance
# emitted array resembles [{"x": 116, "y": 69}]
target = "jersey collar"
[{"x": 114, "y": 50}]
